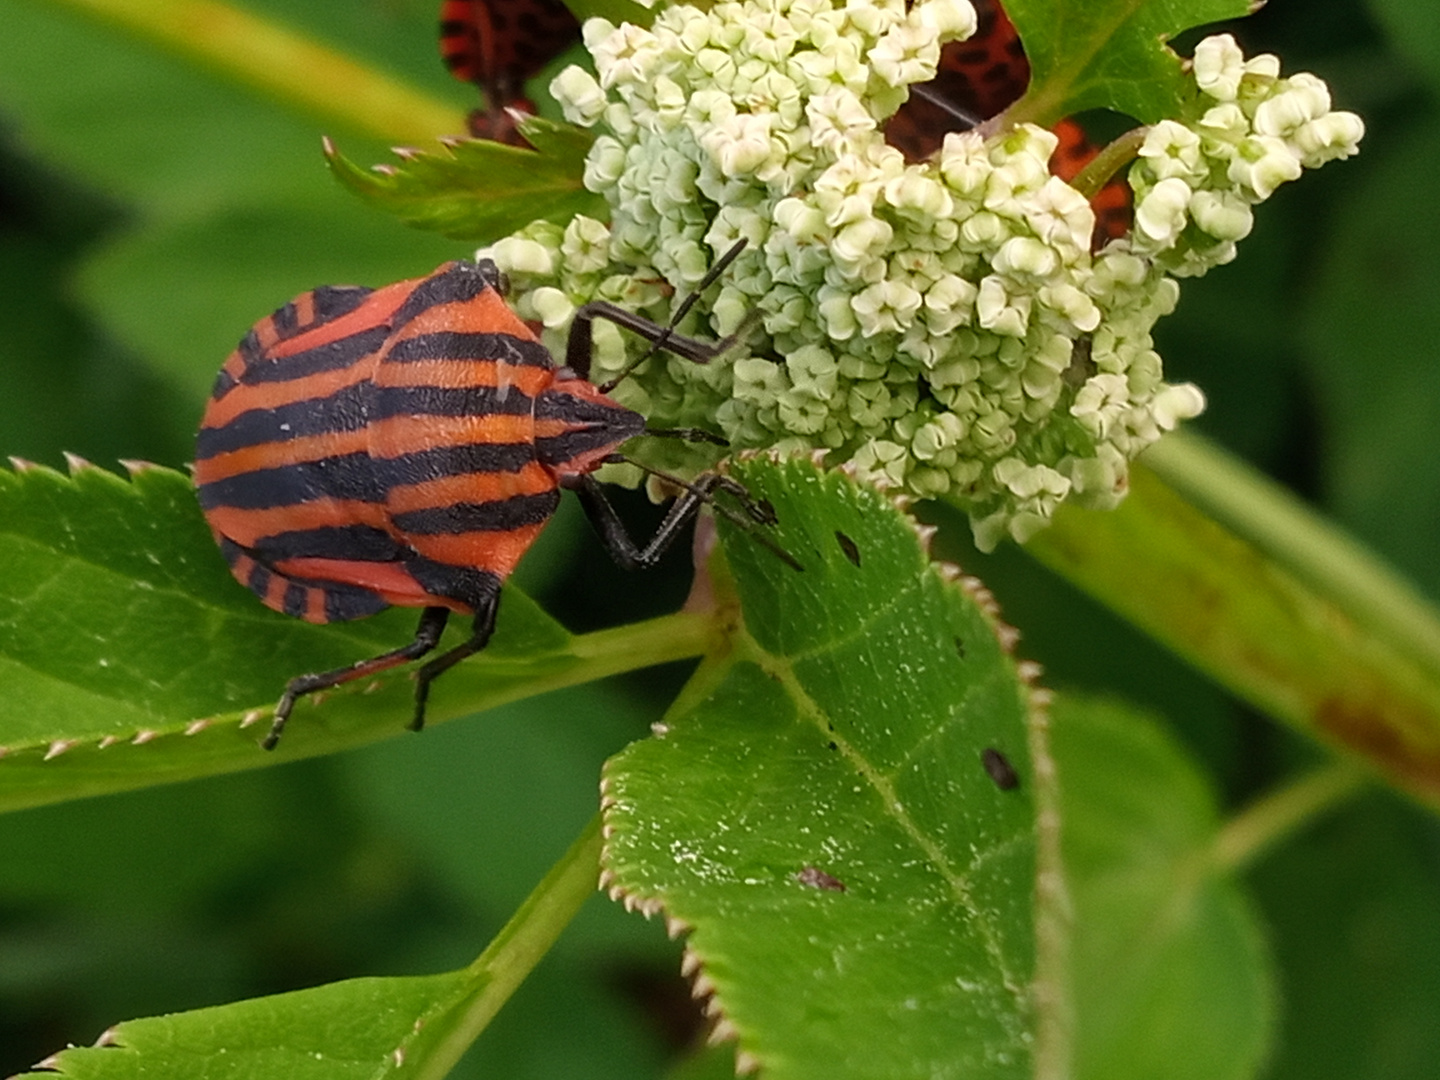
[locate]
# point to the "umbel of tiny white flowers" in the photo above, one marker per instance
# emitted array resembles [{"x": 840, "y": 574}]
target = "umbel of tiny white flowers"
[{"x": 944, "y": 325}]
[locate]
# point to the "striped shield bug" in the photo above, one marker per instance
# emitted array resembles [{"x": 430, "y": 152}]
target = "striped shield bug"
[{"x": 405, "y": 446}]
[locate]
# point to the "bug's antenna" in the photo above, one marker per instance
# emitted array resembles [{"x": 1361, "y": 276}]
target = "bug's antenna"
[
  {"x": 689, "y": 434},
  {"x": 924, "y": 93},
  {"x": 756, "y": 513},
  {"x": 711, "y": 275}
]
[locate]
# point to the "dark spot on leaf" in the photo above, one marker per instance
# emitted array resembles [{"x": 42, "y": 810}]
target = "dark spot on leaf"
[
  {"x": 848, "y": 547},
  {"x": 960, "y": 648},
  {"x": 834, "y": 746},
  {"x": 818, "y": 879},
  {"x": 1000, "y": 769}
]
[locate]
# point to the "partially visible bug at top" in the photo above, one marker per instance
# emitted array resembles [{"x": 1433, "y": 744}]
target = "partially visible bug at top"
[
  {"x": 405, "y": 446},
  {"x": 976, "y": 80},
  {"x": 497, "y": 45}
]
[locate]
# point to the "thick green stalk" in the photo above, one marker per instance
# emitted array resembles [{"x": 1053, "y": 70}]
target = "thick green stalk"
[
  {"x": 519, "y": 946},
  {"x": 1272, "y": 602},
  {"x": 1109, "y": 161},
  {"x": 283, "y": 65},
  {"x": 1273, "y": 817},
  {"x": 1286, "y": 530}
]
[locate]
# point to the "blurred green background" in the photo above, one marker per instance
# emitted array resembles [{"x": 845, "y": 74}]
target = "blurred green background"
[{"x": 149, "y": 213}]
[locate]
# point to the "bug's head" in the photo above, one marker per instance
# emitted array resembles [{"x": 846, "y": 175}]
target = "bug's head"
[
  {"x": 583, "y": 425},
  {"x": 492, "y": 275}
]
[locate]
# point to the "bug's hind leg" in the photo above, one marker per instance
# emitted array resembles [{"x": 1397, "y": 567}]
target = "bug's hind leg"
[
  {"x": 427, "y": 635},
  {"x": 484, "y": 626}
]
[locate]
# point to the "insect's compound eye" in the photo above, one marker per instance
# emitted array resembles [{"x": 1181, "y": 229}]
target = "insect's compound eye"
[{"x": 493, "y": 276}]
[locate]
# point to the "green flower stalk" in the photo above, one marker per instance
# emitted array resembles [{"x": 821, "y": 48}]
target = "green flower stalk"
[{"x": 943, "y": 326}]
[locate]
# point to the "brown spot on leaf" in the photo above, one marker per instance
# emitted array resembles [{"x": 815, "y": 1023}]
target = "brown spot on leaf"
[
  {"x": 1000, "y": 769},
  {"x": 819, "y": 879}
]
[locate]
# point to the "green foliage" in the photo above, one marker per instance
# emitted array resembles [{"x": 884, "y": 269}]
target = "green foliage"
[
  {"x": 479, "y": 190},
  {"x": 1170, "y": 972},
  {"x": 1367, "y": 331},
  {"x": 134, "y": 658},
  {"x": 827, "y": 775},
  {"x": 617, "y": 11},
  {"x": 1110, "y": 54},
  {"x": 158, "y": 211},
  {"x": 412, "y": 1027},
  {"x": 1284, "y": 644},
  {"x": 365, "y": 1023}
]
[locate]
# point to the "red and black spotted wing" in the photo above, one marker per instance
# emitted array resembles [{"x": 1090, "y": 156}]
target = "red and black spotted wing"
[
  {"x": 978, "y": 79},
  {"x": 497, "y": 45}
]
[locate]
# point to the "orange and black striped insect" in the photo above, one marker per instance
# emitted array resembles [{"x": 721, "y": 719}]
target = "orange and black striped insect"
[
  {"x": 497, "y": 45},
  {"x": 405, "y": 446}
]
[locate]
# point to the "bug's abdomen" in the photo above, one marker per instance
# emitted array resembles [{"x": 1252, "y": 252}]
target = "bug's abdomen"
[{"x": 282, "y": 459}]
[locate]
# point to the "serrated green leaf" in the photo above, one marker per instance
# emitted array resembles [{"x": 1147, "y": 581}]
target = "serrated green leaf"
[
  {"x": 859, "y": 891},
  {"x": 479, "y": 190},
  {"x": 1108, "y": 54},
  {"x": 1170, "y": 971},
  {"x": 344, "y": 1031},
  {"x": 411, "y": 1028},
  {"x": 132, "y": 658}
]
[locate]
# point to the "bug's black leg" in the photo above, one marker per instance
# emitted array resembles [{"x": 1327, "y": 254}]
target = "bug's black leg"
[
  {"x": 484, "y": 626},
  {"x": 578, "y": 345},
  {"x": 689, "y": 434},
  {"x": 427, "y": 635},
  {"x": 612, "y": 530},
  {"x": 630, "y": 556}
]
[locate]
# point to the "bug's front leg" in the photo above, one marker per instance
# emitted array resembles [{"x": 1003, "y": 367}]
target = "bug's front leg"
[
  {"x": 632, "y": 556},
  {"x": 613, "y": 533}
]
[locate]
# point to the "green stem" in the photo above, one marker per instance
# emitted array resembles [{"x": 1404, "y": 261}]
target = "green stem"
[
  {"x": 359, "y": 718},
  {"x": 523, "y": 942},
  {"x": 475, "y": 687},
  {"x": 1272, "y": 818},
  {"x": 1284, "y": 529},
  {"x": 1108, "y": 162},
  {"x": 1270, "y": 601},
  {"x": 681, "y": 636},
  {"x": 283, "y": 65}
]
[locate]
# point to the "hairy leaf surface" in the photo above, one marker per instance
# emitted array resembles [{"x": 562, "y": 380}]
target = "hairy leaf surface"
[{"x": 859, "y": 889}]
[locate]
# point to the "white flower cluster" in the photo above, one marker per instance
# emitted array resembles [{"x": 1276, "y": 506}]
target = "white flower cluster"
[
  {"x": 1196, "y": 182},
  {"x": 942, "y": 325}
]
